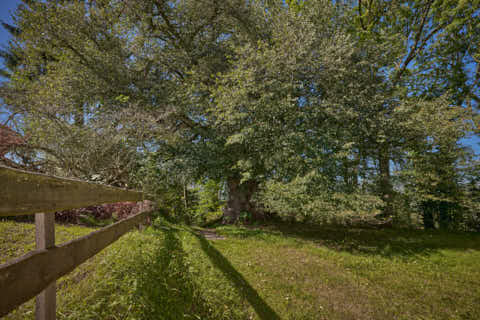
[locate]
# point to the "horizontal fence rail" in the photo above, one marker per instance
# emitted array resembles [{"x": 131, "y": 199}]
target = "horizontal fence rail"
[
  {"x": 24, "y": 192},
  {"x": 25, "y": 277},
  {"x": 35, "y": 273}
]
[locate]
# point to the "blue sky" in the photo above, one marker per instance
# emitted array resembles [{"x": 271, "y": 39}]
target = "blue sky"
[{"x": 7, "y": 7}]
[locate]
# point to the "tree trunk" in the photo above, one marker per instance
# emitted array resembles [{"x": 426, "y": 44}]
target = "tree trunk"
[
  {"x": 385, "y": 185},
  {"x": 356, "y": 169},
  {"x": 350, "y": 172},
  {"x": 78, "y": 116},
  {"x": 239, "y": 196},
  {"x": 185, "y": 196}
]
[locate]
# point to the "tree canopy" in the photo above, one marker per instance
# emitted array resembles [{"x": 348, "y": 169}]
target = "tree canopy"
[{"x": 303, "y": 108}]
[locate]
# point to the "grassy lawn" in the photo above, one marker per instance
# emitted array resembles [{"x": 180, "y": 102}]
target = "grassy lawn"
[
  {"x": 270, "y": 272},
  {"x": 17, "y": 239}
]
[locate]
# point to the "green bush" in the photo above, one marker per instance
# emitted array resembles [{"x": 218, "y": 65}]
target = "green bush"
[
  {"x": 307, "y": 199},
  {"x": 206, "y": 205}
]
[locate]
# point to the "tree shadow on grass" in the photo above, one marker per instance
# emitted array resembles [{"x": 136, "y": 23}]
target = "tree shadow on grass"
[
  {"x": 380, "y": 242},
  {"x": 263, "y": 310},
  {"x": 165, "y": 288}
]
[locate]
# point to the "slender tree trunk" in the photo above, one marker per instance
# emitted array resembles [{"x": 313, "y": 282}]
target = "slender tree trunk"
[
  {"x": 356, "y": 169},
  {"x": 346, "y": 173},
  {"x": 350, "y": 172},
  {"x": 78, "y": 116},
  {"x": 185, "y": 196},
  {"x": 385, "y": 185},
  {"x": 239, "y": 199}
]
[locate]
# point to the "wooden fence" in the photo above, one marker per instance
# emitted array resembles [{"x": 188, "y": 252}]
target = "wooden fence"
[{"x": 35, "y": 273}]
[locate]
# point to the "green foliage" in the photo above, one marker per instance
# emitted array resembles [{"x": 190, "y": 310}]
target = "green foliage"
[
  {"x": 310, "y": 199},
  {"x": 165, "y": 186},
  {"x": 295, "y": 5},
  {"x": 206, "y": 205},
  {"x": 435, "y": 164},
  {"x": 89, "y": 220},
  {"x": 245, "y": 217}
]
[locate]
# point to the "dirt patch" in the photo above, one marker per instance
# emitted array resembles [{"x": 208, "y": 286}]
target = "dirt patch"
[{"x": 209, "y": 234}]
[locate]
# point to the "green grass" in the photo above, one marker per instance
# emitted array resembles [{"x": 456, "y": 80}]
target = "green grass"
[
  {"x": 270, "y": 272},
  {"x": 18, "y": 238}
]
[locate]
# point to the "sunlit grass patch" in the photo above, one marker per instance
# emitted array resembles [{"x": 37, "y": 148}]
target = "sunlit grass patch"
[{"x": 18, "y": 238}]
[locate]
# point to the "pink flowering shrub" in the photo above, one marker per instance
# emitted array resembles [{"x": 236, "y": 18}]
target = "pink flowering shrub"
[{"x": 117, "y": 211}]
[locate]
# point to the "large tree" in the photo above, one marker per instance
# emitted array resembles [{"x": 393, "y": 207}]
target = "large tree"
[
  {"x": 434, "y": 53},
  {"x": 231, "y": 87}
]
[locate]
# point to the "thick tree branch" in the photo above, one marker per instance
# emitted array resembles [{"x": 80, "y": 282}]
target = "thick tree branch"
[{"x": 415, "y": 48}]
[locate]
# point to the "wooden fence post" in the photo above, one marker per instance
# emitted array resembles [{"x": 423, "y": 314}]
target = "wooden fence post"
[{"x": 45, "y": 308}]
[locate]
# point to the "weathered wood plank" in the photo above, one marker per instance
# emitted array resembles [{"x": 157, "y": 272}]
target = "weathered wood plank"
[
  {"x": 23, "y": 278},
  {"x": 44, "y": 230},
  {"x": 28, "y": 193},
  {"x": 45, "y": 304}
]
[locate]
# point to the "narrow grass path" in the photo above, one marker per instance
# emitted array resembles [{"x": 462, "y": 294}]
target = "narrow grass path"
[{"x": 270, "y": 272}]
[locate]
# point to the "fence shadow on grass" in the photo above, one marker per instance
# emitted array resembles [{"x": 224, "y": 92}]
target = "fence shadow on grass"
[
  {"x": 263, "y": 310},
  {"x": 166, "y": 289}
]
